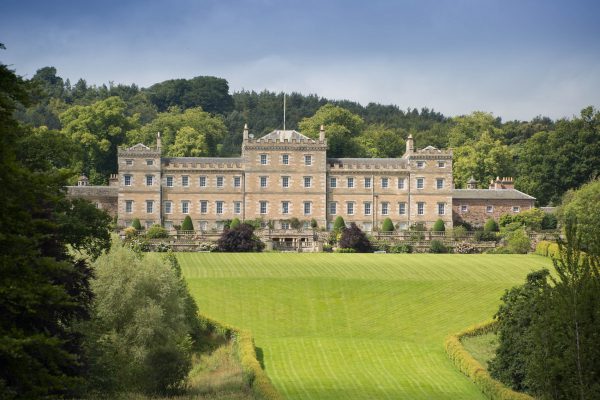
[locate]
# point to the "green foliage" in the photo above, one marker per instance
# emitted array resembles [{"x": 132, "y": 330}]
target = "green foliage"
[
  {"x": 379, "y": 141},
  {"x": 491, "y": 225},
  {"x": 138, "y": 338},
  {"x": 136, "y": 224},
  {"x": 485, "y": 236},
  {"x": 156, "y": 232},
  {"x": 550, "y": 221},
  {"x": 235, "y": 223},
  {"x": 459, "y": 231},
  {"x": 341, "y": 129},
  {"x": 313, "y": 223},
  {"x": 400, "y": 248},
  {"x": 187, "y": 224},
  {"x": 439, "y": 226},
  {"x": 437, "y": 246},
  {"x": 387, "y": 226},
  {"x": 344, "y": 250},
  {"x": 518, "y": 242},
  {"x": 354, "y": 238},
  {"x": 473, "y": 369},
  {"x": 583, "y": 206},
  {"x": 339, "y": 224}
]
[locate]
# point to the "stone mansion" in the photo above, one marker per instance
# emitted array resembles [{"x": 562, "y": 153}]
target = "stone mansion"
[{"x": 286, "y": 175}]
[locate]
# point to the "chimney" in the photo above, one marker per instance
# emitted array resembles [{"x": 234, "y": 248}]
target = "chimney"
[
  {"x": 410, "y": 144},
  {"x": 322, "y": 134},
  {"x": 158, "y": 141},
  {"x": 245, "y": 135},
  {"x": 113, "y": 180}
]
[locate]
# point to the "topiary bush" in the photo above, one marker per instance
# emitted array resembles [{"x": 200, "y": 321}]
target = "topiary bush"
[
  {"x": 437, "y": 246},
  {"x": 187, "y": 224},
  {"x": 339, "y": 224},
  {"x": 157, "y": 232},
  {"x": 388, "y": 225},
  {"x": 439, "y": 226},
  {"x": 354, "y": 238},
  {"x": 235, "y": 223},
  {"x": 491, "y": 226},
  {"x": 136, "y": 224}
]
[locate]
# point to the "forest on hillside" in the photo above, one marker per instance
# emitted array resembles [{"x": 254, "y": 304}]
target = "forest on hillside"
[{"x": 79, "y": 127}]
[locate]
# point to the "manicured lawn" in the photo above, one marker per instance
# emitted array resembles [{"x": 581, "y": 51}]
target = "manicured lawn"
[{"x": 356, "y": 326}]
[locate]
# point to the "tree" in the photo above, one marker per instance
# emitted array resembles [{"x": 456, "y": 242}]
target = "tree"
[
  {"x": 339, "y": 223},
  {"x": 99, "y": 129},
  {"x": 235, "y": 223},
  {"x": 518, "y": 242},
  {"x": 583, "y": 206},
  {"x": 387, "y": 226},
  {"x": 187, "y": 224},
  {"x": 354, "y": 238},
  {"x": 136, "y": 224},
  {"x": 379, "y": 141},
  {"x": 341, "y": 129},
  {"x": 439, "y": 226},
  {"x": 190, "y": 133},
  {"x": 491, "y": 225},
  {"x": 138, "y": 338},
  {"x": 240, "y": 239},
  {"x": 157, "y": 232},
  {"x": 45, "y": 287}
]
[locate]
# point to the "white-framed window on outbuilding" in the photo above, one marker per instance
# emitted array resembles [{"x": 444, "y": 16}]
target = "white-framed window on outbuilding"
[
  {"x": 516, "y": 209},
  {"x": 489, "y": 209},
  {"x": 464, "y": 208}
]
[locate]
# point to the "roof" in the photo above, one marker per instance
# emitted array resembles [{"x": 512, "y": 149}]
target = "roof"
[
  {"x": 369, "y": 161},
  {"x": 506, "y": 194},
  {"x": 202, "y": 160},
  {"x": 285, "y": 135},
  {"x": 472, "y": 180}
]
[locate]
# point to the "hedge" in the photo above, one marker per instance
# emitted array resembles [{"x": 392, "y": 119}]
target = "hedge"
[
  {"x": 466, "y": 364},
  {"x": 253, "y": 374},
  {"x": 547, "y": 249}
]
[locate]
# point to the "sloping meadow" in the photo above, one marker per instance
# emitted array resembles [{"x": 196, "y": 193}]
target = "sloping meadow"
[{"x": 355, "y": 326}]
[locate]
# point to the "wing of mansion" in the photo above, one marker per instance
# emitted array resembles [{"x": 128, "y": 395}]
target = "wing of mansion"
[{"x": 286, "y": 175}]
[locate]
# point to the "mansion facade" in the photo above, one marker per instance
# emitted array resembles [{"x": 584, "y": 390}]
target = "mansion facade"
[{"x": 286, "y": 175}]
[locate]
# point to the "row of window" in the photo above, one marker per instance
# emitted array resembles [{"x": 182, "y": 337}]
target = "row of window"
[
  {"x": 286, "y": 207},
  {"x": 464, "y": 208},
  {"x": 285, "y": 159},
  {"x": 285, "y": 182}
]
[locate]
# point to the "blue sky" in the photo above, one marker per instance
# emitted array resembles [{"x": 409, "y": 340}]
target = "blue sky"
[{"x": 517, "y": 59}]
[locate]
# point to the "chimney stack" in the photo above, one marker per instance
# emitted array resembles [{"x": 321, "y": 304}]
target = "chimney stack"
[
  {"x": 158, "y": 142},
  {"x": 245, "y": 135},
  {"x": 322, "y": 134},
  {"x": 410, "y": 144}
]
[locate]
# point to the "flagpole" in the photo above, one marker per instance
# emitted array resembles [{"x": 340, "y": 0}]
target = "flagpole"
[{"x": 284, "y": 111}]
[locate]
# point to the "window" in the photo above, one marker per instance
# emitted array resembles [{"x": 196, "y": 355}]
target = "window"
[
  {"x": 402, "y": 208},
  {"x": 127, "y": 180},
  {"x": 128, "y": 206},
  {"x": 263, "y": 207},
  {"x": 285, "y": 225},
  {"x": 400, "y": 183},
  {"x": 168, "y": 207},
  {"x": 285, "y": 181},
  {"x": 185, "y": 207},
  {"x": 263, "y": 181},
  {"x": 350, "y": 208},
  {"x": 420, "y": 183},
  {"x": 441, "y": 164},
  {"x": 489, "y": 209},
  {"x": 169, "y": 181},
  {"x": 307, "y": 160},
  {"x": 237, "y": 207},
  {"x": 384, "y": 183},
  {"x": 285, "y": 159},
  {"x": 516, "y": 209},
  {"x": 367, "y": 206},
  {"x": 439, "y": 183},
  {"x": 263, "y": 159},
  {"x": 149, "y": 162},
  {"x": 332, "y": 182},
  {"x": 441, "y": 209},
  {"x": 203, "y": 206},
  {"x": 307, "y": 208},
  {"x": 185, "y": 181},
  {"x": 420, "y": 164},
  {"x": 128, "y": 162},
  {"x": 219, "y": 207},
  {"x": 385, "y": 208},
  {"x": 237, "y": 181},
  {"x": 333, "y": 208},
  {"x": 464, "y": 208},
  {"x": 368, "y": 183},
  {"x": 202, "y": 181},
  {"x": 149, "y": 180},
  {"x": 420, "y": 208},
  {"x": 307, "y": 181},
  {"x": 285, "y": 207},
  {"x": 220, "y": 181},
  {"x": 350, "y": 182}
]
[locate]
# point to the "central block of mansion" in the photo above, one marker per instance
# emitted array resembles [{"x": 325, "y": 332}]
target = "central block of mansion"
[{"x": 286, "y": 175}]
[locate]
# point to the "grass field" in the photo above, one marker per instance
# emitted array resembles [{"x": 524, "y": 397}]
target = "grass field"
[{"x": 356, "y": 326}]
